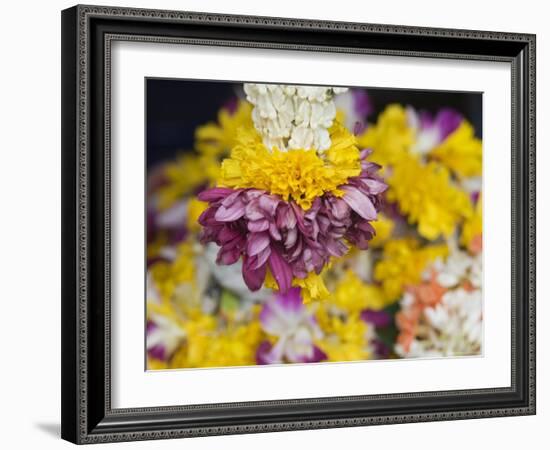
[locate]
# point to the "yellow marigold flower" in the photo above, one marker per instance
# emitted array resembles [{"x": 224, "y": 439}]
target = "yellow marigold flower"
[
  {"x": 162, "y": 277},
  {"x": 218, "y": 139},
  {"x": 473, "y": 229},
  {"x": 340, "y": 116},
  {"x": 183, "y": 175},
  {"x": 313, "y": 286},
  {"x": 183, "y": 267},
  {"x": 156, "y": 364},
  {"x": 345, "y": 337},
  {"x": 391, "y": 138},
  {"x": 353, "y": 295},
  {"x": 300, "y": 175},
  {"x": 211, "y": 166},
  {"x": 384, "y": 228},
  {"x": 165, "y": 309},
  {"x": 167, "y": 276},
  {"x": 425, "y": 193},
  {"x": 197, "y": 333},
  {"x": 207, "y": 346},
  {"x": 194, "y": 209},
  {"x": 461, "y": 152},
  {"x": 402, "y": 264}
]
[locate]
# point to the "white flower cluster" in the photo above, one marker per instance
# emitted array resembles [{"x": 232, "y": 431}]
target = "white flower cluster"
[
  {"x": 293, "y": 117},
  {"x": 454, "y": 326}
]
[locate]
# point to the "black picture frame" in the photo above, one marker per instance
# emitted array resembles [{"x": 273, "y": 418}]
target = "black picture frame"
[{"x": 87, "y": 34}]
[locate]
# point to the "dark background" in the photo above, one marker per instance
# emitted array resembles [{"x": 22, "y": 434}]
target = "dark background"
[{"x": 175, "y": 108}]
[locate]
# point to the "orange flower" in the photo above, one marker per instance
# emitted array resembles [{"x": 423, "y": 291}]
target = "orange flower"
[
  {"x": 407, "y": 323},
  {"x": 430, "y": 293},
  {"x": 476, "y": 245},
  {"x": 468, "y": 286},
  {"x": 405, "y": 340},
  {"x": 425, "y": 295}
]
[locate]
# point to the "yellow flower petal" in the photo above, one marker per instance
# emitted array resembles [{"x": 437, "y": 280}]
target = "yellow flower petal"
[
  {"x": 461, "y": 152},
  {"x": 391, "y": 137},
  {"x": 299, "y": 175},
  {"x": 402, "y": 264},
  {"x": 427, "y": 196}
]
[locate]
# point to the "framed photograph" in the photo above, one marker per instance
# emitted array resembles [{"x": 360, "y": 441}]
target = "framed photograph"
[{"x": 281, "y": 224}]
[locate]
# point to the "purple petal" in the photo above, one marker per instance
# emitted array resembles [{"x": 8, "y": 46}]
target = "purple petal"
[
  {"x": 359, "y": 202},
  {"x": 281, "y": 271},
  {"x": 234, "y": 212},
  {"x": 157, "y": 352},
  {"x": 207, "y": 217},
  {"x": 286, "y": 217},
  {"x": 358, "y": 128},
  {"x": 214, "y": 194},
  {"x": 336, "y": 248},
  {"x": 227, "y": 234},
  {"x": 324, "y": 224},
  {"x": 254, "y": 279},
  {"x": 231, "y": 198},
  {"x": 420, "y": 119},
  {"x": 339, "y": 208},
  {"x": 317, "y": 356},
  {"x": 365, "y": 226},
  {"x": 256, "y": 243},
  {"x": 291, "y": 301},
  {"x": 260, "y": 259},
  {"x": 447, "y": 120},
  {"x": 151, "y": 224},
  {"x": 381, "y": 350},
  {"x": 379, "y": 319},
  {"x": 256, "y": 226},
  {"x": 231, "y": 105},
  {"x": 269, "y": 204},
  {"x": 318, "y": 261},
  {"x": 178, "y": 235},
  {"x": 235, "y": 243},
  {"x": 369, "y": 168},
  {"x": 253, "y": 210},
  {"x": 291, "y": 237},
  {"x": 227, "y": 257},
  {"x": 365, "y": 153},
  {"x": 151, "y": 326},
  {"x": 375, "y": 186},
  {"x": 297, "y": 249},
  {"x": 299, "y": 216},
  {"x": 362, "y": 102},
  {"x": 173, "y": 217},
  {"x": 264, "y": 355},
  {"x": 268, "y": 315},
  {"x": 274, "y": 232}
]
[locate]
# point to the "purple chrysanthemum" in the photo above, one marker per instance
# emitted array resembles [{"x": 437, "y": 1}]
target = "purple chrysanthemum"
[
  {"x": 269, "y": 232},
  {"x": 285, "y": 317}
]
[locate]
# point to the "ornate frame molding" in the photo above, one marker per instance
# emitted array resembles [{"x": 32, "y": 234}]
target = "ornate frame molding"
[{"x": 87, "y": 39}]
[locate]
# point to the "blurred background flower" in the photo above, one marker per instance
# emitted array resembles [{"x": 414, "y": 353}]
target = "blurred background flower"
[{"x": 416, "y": 291}]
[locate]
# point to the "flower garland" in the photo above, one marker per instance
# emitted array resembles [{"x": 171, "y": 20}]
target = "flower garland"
[
  {"x": 257, "y": 205},
  {"x": 295, "y": 192}
]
